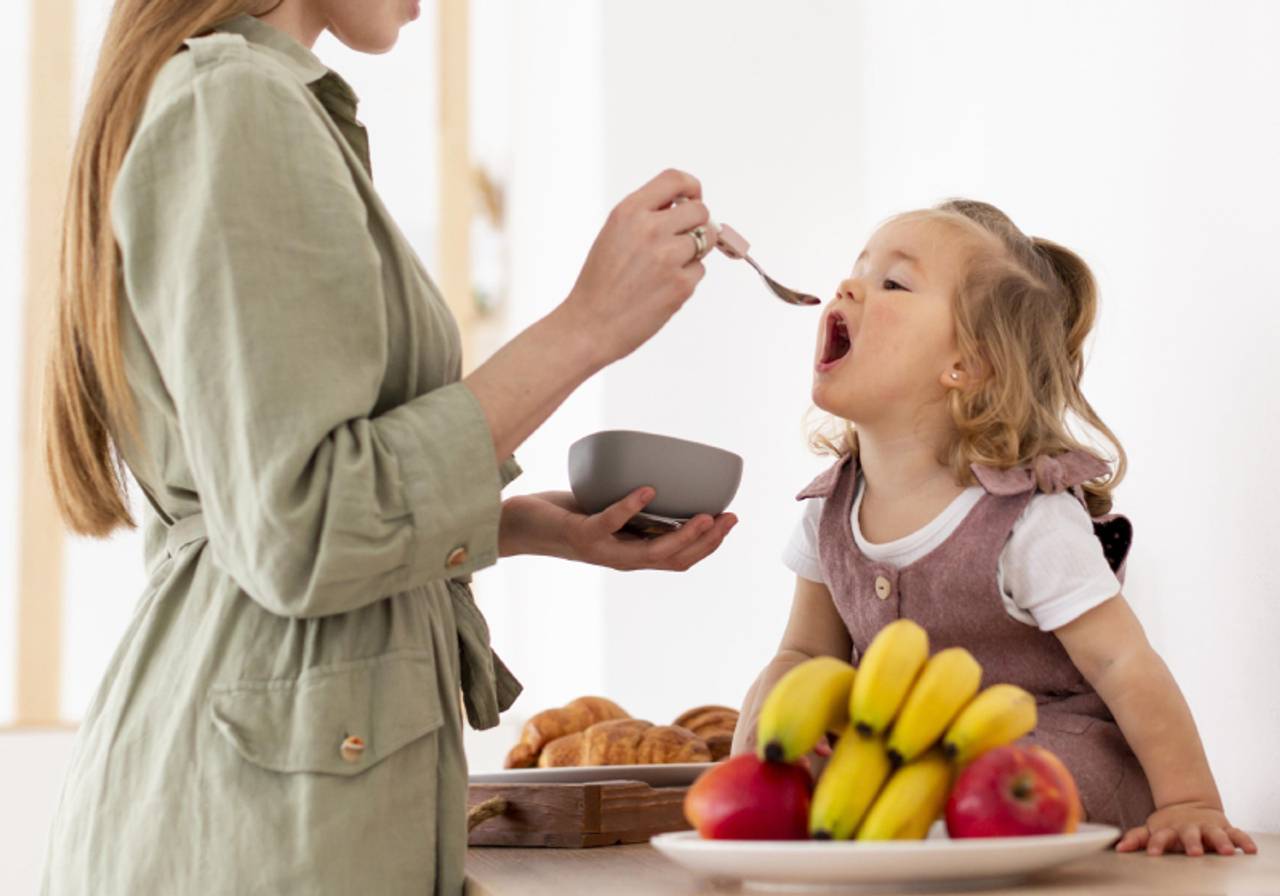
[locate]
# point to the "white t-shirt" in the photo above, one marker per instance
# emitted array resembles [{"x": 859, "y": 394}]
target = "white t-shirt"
[{"x": 1051, "y": 571}]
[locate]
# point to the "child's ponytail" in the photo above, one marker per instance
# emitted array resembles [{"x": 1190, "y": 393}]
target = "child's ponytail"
[
  {"x": 1078, "y": 288},
  {"x": 1080, "y": 291}
]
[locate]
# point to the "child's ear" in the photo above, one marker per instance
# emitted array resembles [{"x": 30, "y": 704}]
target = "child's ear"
[
  {"x": 962, "y": 374},
  {"x": 955, "y": 377}
]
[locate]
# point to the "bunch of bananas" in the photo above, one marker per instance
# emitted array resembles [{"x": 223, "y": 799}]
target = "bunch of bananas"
[{"x": 906, "y": 723}]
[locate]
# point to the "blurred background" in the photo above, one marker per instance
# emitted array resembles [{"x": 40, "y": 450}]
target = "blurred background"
[{"x": 1142, "y": 134}]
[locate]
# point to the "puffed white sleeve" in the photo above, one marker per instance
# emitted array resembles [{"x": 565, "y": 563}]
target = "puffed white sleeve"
[{"x": 1053, "y": 568}]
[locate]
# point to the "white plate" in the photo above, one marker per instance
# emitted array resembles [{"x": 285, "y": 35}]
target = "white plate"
[
  {"x": 795, "y": 865},
  {"x": 676, "y": 774}
]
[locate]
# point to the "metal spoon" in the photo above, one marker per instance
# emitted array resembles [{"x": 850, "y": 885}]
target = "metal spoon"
[{"x": 732, "y": 244}]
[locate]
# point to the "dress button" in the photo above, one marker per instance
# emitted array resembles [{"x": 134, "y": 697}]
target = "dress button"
[
  {"x": 883, "y": 588},
  {"x": 457, "y": 557},
  {"x": 352, "y": 748}
]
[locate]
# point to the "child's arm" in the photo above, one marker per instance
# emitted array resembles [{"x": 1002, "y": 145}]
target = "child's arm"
[
  {"x": 813, "y": 629},
  {"x": 1109, "y": 647}
]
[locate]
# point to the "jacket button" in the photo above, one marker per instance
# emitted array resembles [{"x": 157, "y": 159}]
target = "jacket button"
[
  {"x": 457, "y": 557},
  {"x": 352, "y": 748},
  {"x": 883, "y": 588}
]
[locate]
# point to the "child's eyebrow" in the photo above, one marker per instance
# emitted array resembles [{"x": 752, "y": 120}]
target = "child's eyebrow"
[{"x": 894, "y": 253}]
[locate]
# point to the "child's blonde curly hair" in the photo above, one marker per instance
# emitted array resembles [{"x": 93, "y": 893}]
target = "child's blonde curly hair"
[{"x": 1022, "y": 312}]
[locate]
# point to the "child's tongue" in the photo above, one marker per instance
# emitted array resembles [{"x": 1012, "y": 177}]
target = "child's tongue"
[{"x": 838, "y": 343}]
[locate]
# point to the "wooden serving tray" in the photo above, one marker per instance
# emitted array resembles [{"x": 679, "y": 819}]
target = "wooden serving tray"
[{"x": 576, "y": 815}]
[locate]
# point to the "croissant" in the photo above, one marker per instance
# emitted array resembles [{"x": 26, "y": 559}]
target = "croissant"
[
  {"x": 708, "y": 721},
  {"x": 625, "y": 742},
  {"x": 720, "y": 746},
  {"x": 547, "y": 726},
  {"x": 715, "y": 725}
]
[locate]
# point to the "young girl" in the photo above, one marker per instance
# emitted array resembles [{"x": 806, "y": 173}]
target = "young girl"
[{"x": 963, "y": 500}]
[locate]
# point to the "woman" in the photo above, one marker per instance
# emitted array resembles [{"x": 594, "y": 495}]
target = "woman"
[{"x": 243, "y": 325}]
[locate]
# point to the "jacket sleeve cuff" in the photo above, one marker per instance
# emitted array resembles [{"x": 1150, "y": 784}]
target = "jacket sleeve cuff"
[{"x": 452, "y": 482}]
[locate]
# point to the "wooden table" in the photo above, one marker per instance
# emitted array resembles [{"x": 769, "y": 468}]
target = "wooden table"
[{"x": 642, "y": 871}]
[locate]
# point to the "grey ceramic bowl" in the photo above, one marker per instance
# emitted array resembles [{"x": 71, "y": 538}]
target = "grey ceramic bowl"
[{"x": 690, "y": 477}]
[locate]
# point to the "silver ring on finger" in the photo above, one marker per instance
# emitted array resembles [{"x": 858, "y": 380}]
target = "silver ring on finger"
[{"x": 699, "y": 235}]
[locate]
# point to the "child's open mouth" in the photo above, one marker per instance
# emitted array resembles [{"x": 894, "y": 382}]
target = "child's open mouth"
[{"x": 837, "y": 342}]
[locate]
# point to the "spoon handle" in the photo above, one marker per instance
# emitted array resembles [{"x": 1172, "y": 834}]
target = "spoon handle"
[{"x": 730, "y": 242}]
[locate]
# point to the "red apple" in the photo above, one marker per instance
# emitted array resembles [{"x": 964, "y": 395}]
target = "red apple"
[
  {"x": 1013, "y": 792},
  {"x": 745, "y": 798}
]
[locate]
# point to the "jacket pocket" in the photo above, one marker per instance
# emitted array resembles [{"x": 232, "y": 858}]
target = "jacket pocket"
[{"x": 339, "y": 719}]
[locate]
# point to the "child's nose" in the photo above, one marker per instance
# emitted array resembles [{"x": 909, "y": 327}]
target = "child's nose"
[{"x": 849, "y": 289}]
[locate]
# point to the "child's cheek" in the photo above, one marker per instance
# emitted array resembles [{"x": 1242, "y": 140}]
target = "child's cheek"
[{"x": 882, "y": 332}]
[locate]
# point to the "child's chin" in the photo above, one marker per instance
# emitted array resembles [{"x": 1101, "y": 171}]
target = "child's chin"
[{"x": 828, "y": 399}]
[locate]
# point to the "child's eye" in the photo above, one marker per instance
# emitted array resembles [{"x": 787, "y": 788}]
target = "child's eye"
[{"x": 893, "y": 284}]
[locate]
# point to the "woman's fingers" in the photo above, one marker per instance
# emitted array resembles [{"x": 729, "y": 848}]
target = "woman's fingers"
[
  {"x": 705, "y": 546},
  {"x": 615, "y": 516},
  {"x": 1242, "y": 840},
  {"x": 643, "y": 266},
  {"x": 1134, "y": 839},
  {"x": 620, "y": 551},
  {"x": 678, "y": 550},
  {"x": 666, "y": 188},
  {"x": 657, "y": 553},
  {"x": 684, "y": 216}
]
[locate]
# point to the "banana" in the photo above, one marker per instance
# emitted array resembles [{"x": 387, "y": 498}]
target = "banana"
[
  {"x": 912, "y": 800},
  {"x": 811, "y": 699},
  {"x": 888, "y": 670},
  {"x": 999, "y": 715},
  {"x": 854, "y": 775},
  {"x": 948, "y": 682}
]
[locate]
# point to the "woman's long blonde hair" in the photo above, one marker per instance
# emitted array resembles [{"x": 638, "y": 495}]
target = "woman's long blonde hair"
[
  {"x": 1022, "y": 312},
  {"x": 87, "y": 401}
]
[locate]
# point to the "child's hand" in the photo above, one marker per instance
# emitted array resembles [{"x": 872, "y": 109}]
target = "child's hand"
[{"x": 1189, "y": 828}]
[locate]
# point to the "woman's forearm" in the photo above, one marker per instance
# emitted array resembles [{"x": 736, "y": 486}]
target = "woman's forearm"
[
  {"x": 532, "y": 524},
  {"x": 639, "y": 272},
  {"x": 529, "y": 377},
  {"x": 1156, "y": 721}
]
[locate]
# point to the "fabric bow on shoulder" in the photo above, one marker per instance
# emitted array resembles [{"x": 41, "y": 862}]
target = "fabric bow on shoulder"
[{"x": 1050, "y": 475}]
